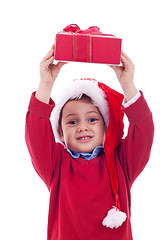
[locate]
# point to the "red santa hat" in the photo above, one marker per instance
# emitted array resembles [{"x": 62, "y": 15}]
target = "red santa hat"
[{"x": 109, "y": 103}]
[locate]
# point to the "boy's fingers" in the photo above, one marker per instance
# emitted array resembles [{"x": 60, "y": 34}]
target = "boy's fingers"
[
  {"x": 50, "y": 60},
  {"x": 48, "y": 55},
  {"x": 60, "y": 64},
  {"x": 125, "y": 57},
  {"x": 113, "y": 67},
  {"x": 126, "y": 61},
  {"x": 45, "y": 64}
]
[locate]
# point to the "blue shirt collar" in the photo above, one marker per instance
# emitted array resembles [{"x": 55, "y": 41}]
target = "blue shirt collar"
[{"x": 96, "y": 152}]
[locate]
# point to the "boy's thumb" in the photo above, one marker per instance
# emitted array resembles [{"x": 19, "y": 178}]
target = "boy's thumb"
[{"x": 60, "y": 64}]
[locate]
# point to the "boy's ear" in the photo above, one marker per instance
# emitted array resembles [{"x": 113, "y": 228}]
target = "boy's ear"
[{"x": 61, "y": 134}]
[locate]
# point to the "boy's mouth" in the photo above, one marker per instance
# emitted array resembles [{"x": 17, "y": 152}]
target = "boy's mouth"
[{"x": 84, "y": 139}]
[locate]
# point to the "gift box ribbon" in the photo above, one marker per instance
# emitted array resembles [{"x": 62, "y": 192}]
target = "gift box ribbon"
[{"x": 75, "y": 30}]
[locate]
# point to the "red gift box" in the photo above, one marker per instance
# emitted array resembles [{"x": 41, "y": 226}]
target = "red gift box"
[{"x": 90, "y": 45}]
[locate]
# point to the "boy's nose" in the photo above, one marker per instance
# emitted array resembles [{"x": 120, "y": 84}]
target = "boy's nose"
[{"x": 82, "y": 128}]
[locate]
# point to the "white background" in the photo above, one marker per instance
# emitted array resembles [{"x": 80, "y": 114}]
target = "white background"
[{"x": 27, "y": 32}]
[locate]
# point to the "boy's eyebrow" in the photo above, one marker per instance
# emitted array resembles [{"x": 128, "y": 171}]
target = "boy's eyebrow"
[
  {"x": 93, "y": 112},
  {"x": 70, "y": 115}
]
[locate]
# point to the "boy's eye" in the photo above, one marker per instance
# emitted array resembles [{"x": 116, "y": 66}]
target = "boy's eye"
[
  {"x": 73, "y": 122},
  {"x": 92, "y": 119}
]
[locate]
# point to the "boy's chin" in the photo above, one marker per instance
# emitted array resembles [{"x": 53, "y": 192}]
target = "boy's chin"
[{"x": 84, "y": 150}]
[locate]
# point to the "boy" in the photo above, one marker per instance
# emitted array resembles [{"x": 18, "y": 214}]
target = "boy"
[{"x": 91, "y": 168}]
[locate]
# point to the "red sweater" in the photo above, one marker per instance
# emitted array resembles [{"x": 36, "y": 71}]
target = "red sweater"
[{"x": 80, "y": 190}]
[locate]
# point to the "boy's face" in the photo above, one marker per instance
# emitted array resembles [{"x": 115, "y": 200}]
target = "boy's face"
[{"x": 82, "y": 126}]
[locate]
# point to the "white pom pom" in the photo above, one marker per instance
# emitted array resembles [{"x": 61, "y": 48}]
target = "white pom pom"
[{"x": 114, "y": 218}]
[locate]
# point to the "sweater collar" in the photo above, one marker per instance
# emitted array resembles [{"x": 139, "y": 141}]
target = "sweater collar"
[{"x": 96, "y": 152}]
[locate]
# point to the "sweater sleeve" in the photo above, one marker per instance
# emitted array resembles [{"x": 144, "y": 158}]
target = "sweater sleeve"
[
  {"x": 134, "y": 151},
  {"x": 40, "y": 139}
]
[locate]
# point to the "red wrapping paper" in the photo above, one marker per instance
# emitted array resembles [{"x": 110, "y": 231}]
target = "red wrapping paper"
[{"x": 90, "y": 45}]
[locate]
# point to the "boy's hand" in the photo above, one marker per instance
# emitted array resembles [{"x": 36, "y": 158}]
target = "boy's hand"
[
  {"x": 125, "y": 75},
  {"x": 48, "y": 70},
  {"x": 48, "y": 74}
]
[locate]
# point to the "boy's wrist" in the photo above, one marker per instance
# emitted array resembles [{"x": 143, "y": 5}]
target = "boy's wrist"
[
  {"x": 131, "y": 101},
  {"x": 129, "y": 90},
  {"x": 46, "y": 84},
  {"x": 44, "y": 91}
]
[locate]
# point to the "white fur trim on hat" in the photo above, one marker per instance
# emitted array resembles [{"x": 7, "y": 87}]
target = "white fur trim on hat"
[{"x": 75, "y": 90}]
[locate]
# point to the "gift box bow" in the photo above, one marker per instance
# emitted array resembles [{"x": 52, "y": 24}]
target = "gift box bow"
[{"x": 74, "y": 28}]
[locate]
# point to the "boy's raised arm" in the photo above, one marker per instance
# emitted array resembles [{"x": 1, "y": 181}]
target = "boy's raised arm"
[
  {"x": 38, "y": 131},
  {"x": 135, "y": 148},
  {"x": 48, "y": 75}
]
